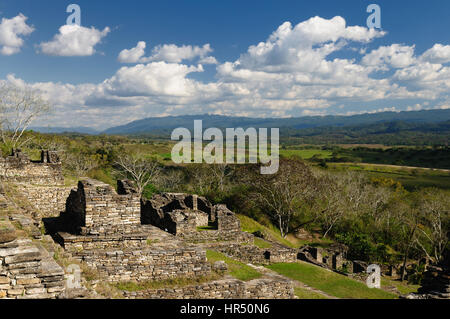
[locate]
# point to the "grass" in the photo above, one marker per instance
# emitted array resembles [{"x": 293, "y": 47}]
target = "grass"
[
  {"x": 206, "y": 228},
  {"x": 236, "y": 268},
  {"x": 410, "y": 178},
  {"x": 306, "y": 153},
  {"x": 261, "y": 243},
  {"x": 403, "y": 287},
  {"x": 150, "y": 242},
  {"x": 303, "y": 293},
  {"x": 250, "y": 225},
  {"x": 329, "y": 282}
]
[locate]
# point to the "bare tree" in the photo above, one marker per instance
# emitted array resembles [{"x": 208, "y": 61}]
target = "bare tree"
[
  {"x": 410, "y": 222},
  {"x": 79, "y": 163},
  {"x": 140, "y": 169},
  {"x": 339, "y": 195},
  {"x": 202, "y": 178},
  {"x": 331, "y": 202},
  {"x": 221, "y": 172},
  {"x": 19, "y": 107},
  {"x": 435, "y": 207},
  {"x": 172, "y": 180},
  {"x": 286, "y": 192}
]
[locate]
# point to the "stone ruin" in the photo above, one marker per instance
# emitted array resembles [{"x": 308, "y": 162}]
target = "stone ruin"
[
  {"x": 181, "y": 215},
  {"x": 27, "y": 270},
  {"x": 119, "y": 236},
  {"x": 103, "y": 228},
  {"x": 19, "y": 168},
  {"x": 436, "y": 281},
  {"x": 95, "y": 208},
  {"x": 334, "y": 258}
]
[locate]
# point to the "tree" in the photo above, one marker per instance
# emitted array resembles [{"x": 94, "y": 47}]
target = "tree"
[
  {"x": 340, "y": 195},
  {"x": 285, "y": 193},
  {"x": 139, "y": 168},
  {"x": 80, "y": 163},
  {"x": 410, "y": 218},
  {"x": 435, "y": 207},
  {"x": 19, "y": 107}
]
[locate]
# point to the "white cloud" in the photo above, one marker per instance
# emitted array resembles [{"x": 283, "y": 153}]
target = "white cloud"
[
  {"x": 292, "y": 73},
  {"x": 10, "y": 32},
  {"x": 133, "y": 55},
  {"x": 395, "y": 55},
  {"x": 437, "y": 54},
  {"x": 155, "y": 78},
  {"x": 168, "y": 53},
  {"x": 304, "y": 46},
  {"x": 176, "y": 54},
  {"x": 74, "y": 40}
]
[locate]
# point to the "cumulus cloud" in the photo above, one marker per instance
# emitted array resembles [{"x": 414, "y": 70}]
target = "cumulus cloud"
[
  {"x": 291, "y": 73},
  {"x": 156, "y": 78},
  {"x": 11, "y": 31},
  {"x": 303, "y": 46},
  {"x": 74, "y": 40},
  {"x": 437, "y": 54},
  {"x": 133, "y": 55},
  {"x": 168, "y": 53},
  {"x": 395, "y": 55}
]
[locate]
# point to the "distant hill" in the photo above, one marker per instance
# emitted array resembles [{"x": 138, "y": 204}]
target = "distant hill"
[
  {"x": 164, "y": 125},
  {"x": 61, "y": 130}
]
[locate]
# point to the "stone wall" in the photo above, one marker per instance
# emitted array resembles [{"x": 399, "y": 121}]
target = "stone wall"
[
  {"x": 153, "y": 263},
  {"x": 255, "y": 255},
  {"x": 265, "y": 288},
  {"x": 181, "y": 214},
  {"x": 95, "y": 208},
  {"x": 19, "y": 168},
  {"x": 48, "y": 200},
  {"x": 27, "y": 271},
  {"x": 226, "y": 220},
  {"x": 217, "y": 236},
  {"x": 73, "y": 243}
]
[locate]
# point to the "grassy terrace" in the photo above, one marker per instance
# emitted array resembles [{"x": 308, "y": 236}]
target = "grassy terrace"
[
  {"x": 303, "y": 293},
  {"x": 329, "y": 282},
  {"x": 410, "y": 178},
  {"x": 236, "y": 268},
  {"x": 250, "y": 225}
]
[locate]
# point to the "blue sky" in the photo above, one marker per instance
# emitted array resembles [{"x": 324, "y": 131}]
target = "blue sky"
[{"x": 202, "y": 57}]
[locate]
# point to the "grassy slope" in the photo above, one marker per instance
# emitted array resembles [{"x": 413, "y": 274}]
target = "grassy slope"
[
  {"x": 236, "y": 268},
  {"x": 249, "y": 225},
  {"x": 303, "y": 293},
  {"x": 329, "y": 282}
]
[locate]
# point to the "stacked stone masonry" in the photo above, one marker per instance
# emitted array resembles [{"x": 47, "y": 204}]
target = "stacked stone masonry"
[
  {"x": 264, "y": 288},
  {"x": 27, "y": 271},
  {"x": 19, "y": 168},
  {"x": 182, "y": 214},
  {"x": 95, "y": 208},
  {"x": 48, "y": 200}
]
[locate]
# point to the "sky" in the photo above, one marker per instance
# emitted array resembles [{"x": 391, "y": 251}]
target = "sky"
[{"x": 132, "y": 59}]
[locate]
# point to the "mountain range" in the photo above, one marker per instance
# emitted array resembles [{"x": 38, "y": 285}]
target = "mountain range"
[{"x": 163, "y": 126}]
